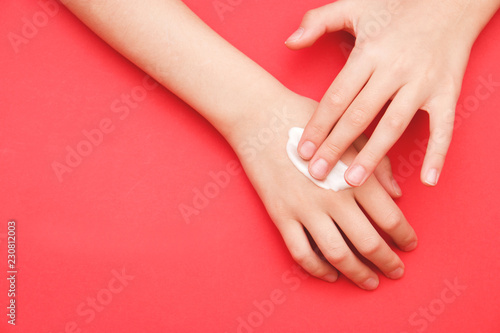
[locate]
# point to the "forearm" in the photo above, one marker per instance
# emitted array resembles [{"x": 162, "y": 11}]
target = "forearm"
[{"x": 170, "y": 43}]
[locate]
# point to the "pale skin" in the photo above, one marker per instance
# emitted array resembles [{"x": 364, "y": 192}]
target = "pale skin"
[
  {"x": 240, "y": 99},
  {"x": 410, "y": 52}
]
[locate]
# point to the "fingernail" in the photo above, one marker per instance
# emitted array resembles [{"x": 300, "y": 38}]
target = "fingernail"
[
  {"x": 410, "y": 246},
  {"x": 396, "y": 274},
  {"x": 356, "y": 175},
  {"x": 307, "y": 150},
  {"x": 296, "y": 35},
  {"x": 370, "y": 284},
  {"x": 397, "y": 189},
  {"x": 331, "y": 277},
  {"x": 319, "y": 168},
  {"x": 432, "y": 177}
]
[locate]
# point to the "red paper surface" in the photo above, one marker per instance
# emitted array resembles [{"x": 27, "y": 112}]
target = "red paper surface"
[{"x": 104, "y": 248}]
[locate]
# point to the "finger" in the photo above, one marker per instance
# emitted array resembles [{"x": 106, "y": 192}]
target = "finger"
[
  {"x": 297, "y": 243},
  {"x": 383, "y": 171},
  {"x": 386, "y": 214},
  {"x": 360, "y": 142},
  {"x": 353, "y": 122},
  {"x": 441, "y": 118},
  {"x": 318, "y": 21},
  {"x": 388, "y": 131},
  {"x": 338, "y": 253},
  {"x": 336, "y": 100},
  {"x": 367, "y": 240}
]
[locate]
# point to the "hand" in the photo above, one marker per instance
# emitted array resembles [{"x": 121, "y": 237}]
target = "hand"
[
  {"x": 411, "y": 52},
  {"x": 296, "y": 204},
  {"x": 237, "y": 97}
]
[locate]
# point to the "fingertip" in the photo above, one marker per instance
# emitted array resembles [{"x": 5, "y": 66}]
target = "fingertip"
[
  {"x": 396, "y": 274},
  {"x": 397, "y": 190},
  {"x": 319, "y": 169},
  {"x": 370, "y": 284},
  {"x": 431, "y": 177},
  {"x": 306, "y": 150},
  {"x": 410, "y": 247},
  {"x": 384, "y": 175},
  {"x": 356, "y": 175},
  {"x": 294, "y": 45},
  {"x": 331, "y": 277},
  {"x": 295, "y": 37},
  {"x": 390, "y": 185}
]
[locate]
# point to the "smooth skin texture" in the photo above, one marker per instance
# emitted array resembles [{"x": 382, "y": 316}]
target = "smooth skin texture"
[
  {"x": 240, "y": 99},
  {"x": 295, "y": 203},
  {"x": 412, "y": 52}
]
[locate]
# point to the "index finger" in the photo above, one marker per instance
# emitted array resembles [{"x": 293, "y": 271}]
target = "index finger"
[
  {"x": 356, "y": 119},
  {"x": 336, "y": 100}
]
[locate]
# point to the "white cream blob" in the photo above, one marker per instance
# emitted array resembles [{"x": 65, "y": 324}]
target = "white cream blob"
[{"x": 335, "y": 179}]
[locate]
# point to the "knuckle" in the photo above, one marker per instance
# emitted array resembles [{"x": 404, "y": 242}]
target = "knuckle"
[
  {"x": 431, "y": 76},
  {"x": 367, "y": 49},
  {"x": 397, "y": 123},
  {"x": 401, "y": 66},
  {"x": 337, "y": 254},
  {"x": 301, "y": 256},
  {"x": 311, "y": 16},
  {"x": 316, "y": 130},
  {"x": 358, "y": 117},
  {"x": 313, "y": 267},
  {"x": 393, "y": 221},
  {"x": 438, "y": 149},
  {"x": 441, "y": 137},
  {"x": 278, "y": 208},
  {"x": 450, "y": 80},
  {"x": 438, "y": 155},
  {"x": 308, "y": 262},
  {"x": 332, "y": 149},
  {"x": 370, "y": 158},
  {"x": 335, "y": 99},
  {"x": 371, "y": 245}
]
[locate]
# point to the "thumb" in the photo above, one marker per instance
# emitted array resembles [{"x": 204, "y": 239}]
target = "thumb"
[{"x": 316, "y": 22}]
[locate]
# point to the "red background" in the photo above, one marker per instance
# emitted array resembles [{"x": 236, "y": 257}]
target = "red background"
[{"x": 118, "y": 210}]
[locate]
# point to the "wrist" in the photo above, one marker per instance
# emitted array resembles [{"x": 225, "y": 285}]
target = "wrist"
[
  {"x": 472, "y": 17},
  {"x": 264, "y": 130},
  {"x": 272, "y": 110}
]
